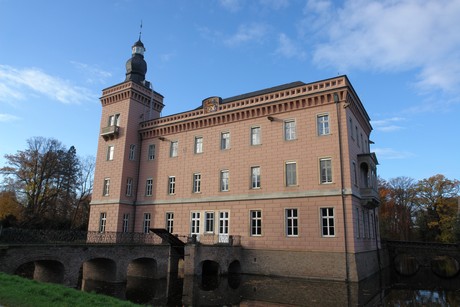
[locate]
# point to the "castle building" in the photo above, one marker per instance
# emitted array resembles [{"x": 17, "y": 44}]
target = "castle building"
[{"x": 287, "y": 170}]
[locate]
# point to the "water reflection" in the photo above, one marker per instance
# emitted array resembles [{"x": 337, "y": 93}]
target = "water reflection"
[{"x": 386, "y": 289}]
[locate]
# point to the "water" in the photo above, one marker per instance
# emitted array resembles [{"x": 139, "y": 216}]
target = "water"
[{"x": 386, "y": 289}]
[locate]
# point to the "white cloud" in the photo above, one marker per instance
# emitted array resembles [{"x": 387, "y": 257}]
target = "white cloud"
[
  {"x": 231, "y": 5},
  {"x": 390, "y": 36},
  {"x": 288, "y": 48},
  {"x": 391, "y": 154},
  {"x": 18, "y": 84},
  {"x": 7, "y": 118},
  {"x": 247, "y": 33},
  {"x": 388, "y": 124},
  {"x": 275, "y": 4},
  {"x": 92, "y": 73}
]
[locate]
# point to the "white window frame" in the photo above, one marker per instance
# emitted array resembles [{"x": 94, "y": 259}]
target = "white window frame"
[
  {"x": 110, "y": 152},
  {"x": 102, "y": 221},
  {"x": 255, "y": 136},
  {"x": 255, "y": 177},
  {"x": 289, "y": 130},
  {"x": 196, "y": 183},
  {"x": 255, "y": 223},
  {"x": 151, "y": 152},
  {"x": 172, "y": 185},
  {"x": 114, "y": 120},
  {"x": 132, "y": 152},
  {"x": 322, "y": 124},
  {"x": 327, "y": 222},
  {"x": 129, "y": 186},
  {"x": 149, "y": 187},
  {"x": 288, "y": 176},
  {"x": 198, "y": 144},
  {"x": 225, "y": 140},
  {"x": 170, "y": 222},
  {"x": 224, "y": 226},
  {"x": 224, "y": 180},
  {"x": 325, "y": 170},
  {"x": 174, "y": 149},
  {"x": 125, "y": 222},
  {"x": 292, "y": 222},
  {"x": 106, "y": 187},
  {"x": 195, "y": 218},
  {"x": 209, "y": 221},
  {"x": 146, "y": 223}
]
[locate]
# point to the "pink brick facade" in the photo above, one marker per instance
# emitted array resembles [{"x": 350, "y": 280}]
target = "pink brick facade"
[{"x": 295, "y": 180}]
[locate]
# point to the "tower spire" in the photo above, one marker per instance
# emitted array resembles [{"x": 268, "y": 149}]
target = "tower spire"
[{"x": 140, "y": 31}]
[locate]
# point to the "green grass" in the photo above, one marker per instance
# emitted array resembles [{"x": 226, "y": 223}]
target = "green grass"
[{"x": 20, "y": 292}]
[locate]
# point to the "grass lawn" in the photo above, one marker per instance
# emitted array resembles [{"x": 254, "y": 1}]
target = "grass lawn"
[{"x": 20, "y": 292}]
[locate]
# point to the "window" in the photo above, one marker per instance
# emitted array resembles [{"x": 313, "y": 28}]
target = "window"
[
  {"x": 356, "y": 134},
  {"x": 146, "y": 222},
  {"x": 292, "y": 223},
  {"x": 195, "y": 223},
  {"x": 114, "y": 120},
  {"x": 197, "y": 183},
  {"x": 106, "y": 189},
  {"x": 151, "y": 152},
  {"x": 355, "y": 174},
  {"x": 198, "y": 145},
  {"x": 327, "y": 222},
  {"x": 362, "y": 141},
  {"x": 364, "y": 224},
  {"x": 126, "y": 222},
  {"x": 255, "y": 136},
  {"x": 102, "y": 221},
  {"x": 170, "y": 222},
  {"x": 255, "y": 177},
  {"x": 132, "y": 152},
  {"x": 289, "y": 130},
  {"x": 325, "y": 166},
  {"x": 256, "y": 222},
  {"x": 291, "y": 173},
  {"x": 223, "y": 226},
  {"x": 129, "y": 186},
  {"x": 110, "y": 151},
  {"x": 174, "y": 150},
  {"x": 322, "y": 122},
  {"x": 149, "y": 187},
  {"x": 225, "y": 140},
  {"x": 209, "y": 221},
  {"x": 224, "y": 180},
  {"x": 358, "y": 224},
  {"x": 350, "y": 121},
  {"x": 171, "y": 185}
]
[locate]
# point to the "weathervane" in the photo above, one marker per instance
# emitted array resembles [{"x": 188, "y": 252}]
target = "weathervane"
[{"x": 140, "y": 31}]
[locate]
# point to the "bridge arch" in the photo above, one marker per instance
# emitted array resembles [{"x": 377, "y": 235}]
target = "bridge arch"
[
  {"x": 406, "y": 264},
  {"x": 445, "y": 266},
  {"x": 142, "y": 267},
  {"x": 43, "y": 270},
  {"x": 210, "y": 267},
  {"x": 234, "y": 267},
  {"x": 100, "y": 269}
]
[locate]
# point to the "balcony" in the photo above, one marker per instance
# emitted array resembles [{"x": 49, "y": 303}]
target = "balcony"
[
  {"x": 110, "y": 132},
  {"x": 368, "y": 180}
]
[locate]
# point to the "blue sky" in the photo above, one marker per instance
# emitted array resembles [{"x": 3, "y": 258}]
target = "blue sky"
[{"x": 402, "y": 57}]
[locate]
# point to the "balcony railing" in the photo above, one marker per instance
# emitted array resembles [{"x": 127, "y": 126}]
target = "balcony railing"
[
  {"x": 110, "y": 132},
  {"x": 215, "y": 239}
]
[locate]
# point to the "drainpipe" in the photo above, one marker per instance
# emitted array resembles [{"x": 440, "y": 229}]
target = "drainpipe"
[
  {"x": 342, "y": 191},
  {"x": 137, "y": 181}
]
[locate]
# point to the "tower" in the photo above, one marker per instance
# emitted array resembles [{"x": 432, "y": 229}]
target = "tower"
[{"x": 124, "y": 106}]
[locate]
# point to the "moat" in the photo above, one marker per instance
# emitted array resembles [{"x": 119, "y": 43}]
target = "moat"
[{"x": 385, "y": 289}]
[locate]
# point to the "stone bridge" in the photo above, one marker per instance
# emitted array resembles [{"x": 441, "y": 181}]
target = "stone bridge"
[
  {"x": 407, "y": 258},
  {"x": 72, "y": 263},
  {"x": 110, "y": 257}
]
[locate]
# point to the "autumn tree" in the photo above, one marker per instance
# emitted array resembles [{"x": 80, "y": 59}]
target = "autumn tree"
[
  {"x": 398, "y": 207},
  {"x": 10, "y": 209},
  {"x": 46, "y": 177},
  {"x": 438, "y": 199}
]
